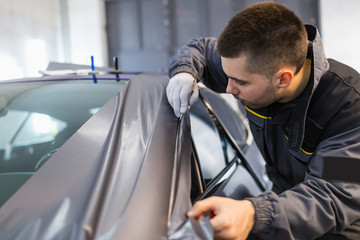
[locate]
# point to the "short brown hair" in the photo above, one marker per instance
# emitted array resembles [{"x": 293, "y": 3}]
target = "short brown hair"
[{"x": 269, "y": 34}]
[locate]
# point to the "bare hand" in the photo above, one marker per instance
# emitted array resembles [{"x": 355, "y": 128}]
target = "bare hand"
[{"x": 233, "y": 219}]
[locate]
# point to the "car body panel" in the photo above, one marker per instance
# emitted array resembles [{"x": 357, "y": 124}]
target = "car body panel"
[{"x": 94, "y": 185}]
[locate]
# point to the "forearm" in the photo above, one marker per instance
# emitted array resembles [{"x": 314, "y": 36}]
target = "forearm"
[{"x": 307, "y": 211}]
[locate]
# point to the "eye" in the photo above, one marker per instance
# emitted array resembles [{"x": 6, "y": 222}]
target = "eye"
[{"x": 239, "y": 82}]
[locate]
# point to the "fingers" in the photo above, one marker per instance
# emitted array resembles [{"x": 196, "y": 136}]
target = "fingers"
[
  {"x": 181, "y": 92},
  {"x": 203, "y": 206},
  {"x": 173, "y": 92},
  {"x": 233, "y": 219},
  {"x": 184, "y": 98},
  {"x": 176, "y": 101},
  {"x": 194, "y": 96},
  {"x": 169, "y": 93}
]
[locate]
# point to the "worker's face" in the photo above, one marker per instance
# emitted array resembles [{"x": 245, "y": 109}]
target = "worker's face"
[{"x": 253, "y": 90}]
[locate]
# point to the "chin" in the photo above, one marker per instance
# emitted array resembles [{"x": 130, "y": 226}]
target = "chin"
[{"x": 252, "y": 106}]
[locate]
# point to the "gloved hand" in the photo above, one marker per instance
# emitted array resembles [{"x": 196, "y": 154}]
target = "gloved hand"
[{"x": 182, "y": 91}]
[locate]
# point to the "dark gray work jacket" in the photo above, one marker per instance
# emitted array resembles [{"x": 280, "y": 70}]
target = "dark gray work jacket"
[{"x": 293, "y": 138}]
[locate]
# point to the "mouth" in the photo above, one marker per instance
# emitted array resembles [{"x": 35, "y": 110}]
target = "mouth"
[
  {"x": 235, "y": 96},
  {"x": 241, "y": 100}
]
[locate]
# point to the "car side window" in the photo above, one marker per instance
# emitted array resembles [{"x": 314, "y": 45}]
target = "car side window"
[
  {"x": 218, "y": 160},
  {"x": 213, "y": 150}
]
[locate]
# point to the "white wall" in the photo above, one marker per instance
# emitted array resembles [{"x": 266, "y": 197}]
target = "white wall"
[
  {"x": 87, "y": 31},
  {"x": 340, "y": 30},
  {"x": 28, "y": 36},
  {"x": 34, "y": 32}
]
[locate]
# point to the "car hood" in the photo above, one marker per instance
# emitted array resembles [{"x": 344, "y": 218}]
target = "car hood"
[{"x": 125, "y": 174}]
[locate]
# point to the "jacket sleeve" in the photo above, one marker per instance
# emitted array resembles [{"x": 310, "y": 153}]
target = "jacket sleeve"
[
  {"x": 200, "y": 58},
  {"x": 315, "y": 206}
]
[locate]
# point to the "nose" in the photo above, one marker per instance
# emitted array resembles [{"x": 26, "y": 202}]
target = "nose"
[{"x": 231, "y": 88}]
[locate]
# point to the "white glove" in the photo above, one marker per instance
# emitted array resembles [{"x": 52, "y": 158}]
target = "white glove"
[{"x": 182, "y": 91}]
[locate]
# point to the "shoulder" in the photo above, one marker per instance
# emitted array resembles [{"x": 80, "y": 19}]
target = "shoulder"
[
  {"x": 340, "y": 84},
  {"x": 344, "y": 73},
  {"x": 335, "y": 104}
]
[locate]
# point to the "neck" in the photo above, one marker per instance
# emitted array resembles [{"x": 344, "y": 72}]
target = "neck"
[{"x": 301, "y": 79}]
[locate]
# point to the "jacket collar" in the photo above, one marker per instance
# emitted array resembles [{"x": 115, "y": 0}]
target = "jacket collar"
[{"x": 320, "y": 62}]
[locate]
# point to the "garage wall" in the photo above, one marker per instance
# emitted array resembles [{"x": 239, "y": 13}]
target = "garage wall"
[
  {"x": 341, "y": 30},
  {"x": 34, "y": 32},
  {"x": 87, "y": 32},
  {"x": 29, "y": 36},
  {"x": 145, "y": 33}
]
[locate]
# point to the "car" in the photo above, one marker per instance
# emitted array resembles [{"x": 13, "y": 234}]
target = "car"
[{"x": 104, "y": 157}]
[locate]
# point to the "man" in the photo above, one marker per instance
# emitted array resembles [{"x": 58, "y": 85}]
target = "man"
[{"x": 301, "y": 107}]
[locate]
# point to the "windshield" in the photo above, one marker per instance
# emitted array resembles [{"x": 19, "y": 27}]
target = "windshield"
[{"x": 37, "y": 118}]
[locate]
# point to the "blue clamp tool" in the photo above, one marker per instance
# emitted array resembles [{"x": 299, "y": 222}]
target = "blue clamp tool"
[{"x": 93, "y": 72}]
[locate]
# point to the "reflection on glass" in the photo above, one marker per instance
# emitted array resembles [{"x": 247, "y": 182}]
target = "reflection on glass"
[
  {"x": 208, "y": 146},
  {"x": 39, "y": 128},
  {"x": 10, "y": 123},
  {"x": 26, "y": 128},
  {"x": 92, "y": 111}
]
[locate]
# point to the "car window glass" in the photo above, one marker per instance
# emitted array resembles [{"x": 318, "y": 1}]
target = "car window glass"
[
  {"x": 37, "y": 118},
  {"x": 36, "y": 128},
  {"x": 208, "y": 147},
  {"x": 213, "y": 150},
  {"x": 230, "y": 151},
  {"x": 227, "y": 109}
]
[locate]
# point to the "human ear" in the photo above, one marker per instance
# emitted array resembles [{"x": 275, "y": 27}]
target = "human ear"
[{"x": 286, "y": 76}]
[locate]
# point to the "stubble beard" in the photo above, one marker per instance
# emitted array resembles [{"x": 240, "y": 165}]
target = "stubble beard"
[{"x": 265, "y": 100}]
